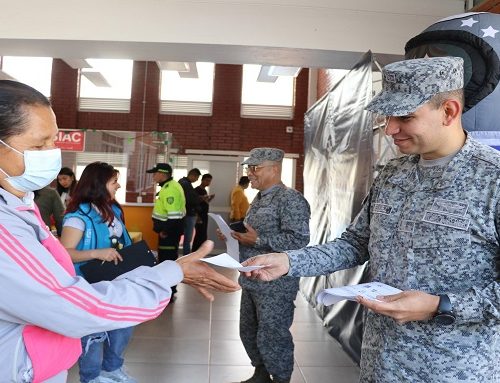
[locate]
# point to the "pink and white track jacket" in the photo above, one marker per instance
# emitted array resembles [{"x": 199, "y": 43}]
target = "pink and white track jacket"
[{"x": 45, "y": 308}]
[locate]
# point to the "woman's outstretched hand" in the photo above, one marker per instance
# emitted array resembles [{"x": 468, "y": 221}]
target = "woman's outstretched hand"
[{"x": 201, "y": 276}]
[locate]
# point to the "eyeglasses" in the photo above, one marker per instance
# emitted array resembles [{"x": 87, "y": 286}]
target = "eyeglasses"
[{"x": 254, "y": 168}]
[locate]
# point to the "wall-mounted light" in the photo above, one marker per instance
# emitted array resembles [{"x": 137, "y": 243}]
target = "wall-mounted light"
[
  {"x": 287, "y": 71},
  {"x": 184, "y": 69},
  {"x": 96, "y": 78},
  {"x": 77, "y": 63},
  {"x": 270, "y": 73}
]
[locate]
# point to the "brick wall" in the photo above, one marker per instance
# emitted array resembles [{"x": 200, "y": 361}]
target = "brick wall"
[
  {"x": 224, "y": 130},
  {"x": 64, "y": 93},
  {"x": 325, "y": 81}
]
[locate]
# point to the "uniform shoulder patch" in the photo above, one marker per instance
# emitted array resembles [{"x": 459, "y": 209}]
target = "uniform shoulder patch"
[{"x": 170, "y": 200}]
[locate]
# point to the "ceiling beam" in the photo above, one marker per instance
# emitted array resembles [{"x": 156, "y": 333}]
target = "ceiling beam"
[{"x": 301, "y": 33}]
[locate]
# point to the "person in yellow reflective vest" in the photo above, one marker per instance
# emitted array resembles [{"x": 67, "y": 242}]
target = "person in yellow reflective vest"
[{"x": 168, "y": 212}]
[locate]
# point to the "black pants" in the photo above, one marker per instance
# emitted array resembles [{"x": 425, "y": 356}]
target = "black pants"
[
  {"x": 201, "y": 228},
  {"x": 168, "y": 241}
]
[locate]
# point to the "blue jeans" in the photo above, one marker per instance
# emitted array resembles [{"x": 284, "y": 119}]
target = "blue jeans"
[
  {"x": 103, "y": 351},
  {"x": 189, "y": 222}
]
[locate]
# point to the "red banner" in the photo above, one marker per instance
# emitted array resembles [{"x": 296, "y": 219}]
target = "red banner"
[{"x": 71, "y": 140}]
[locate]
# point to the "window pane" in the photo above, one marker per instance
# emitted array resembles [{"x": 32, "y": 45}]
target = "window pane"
[
  {"x": 118, "y": 73},
  {"x": 132, "y": 153},
  {"x": 175, "y": 88},
  {"x": 33, "y": 71},
  {"x": 266, "y": 93}
]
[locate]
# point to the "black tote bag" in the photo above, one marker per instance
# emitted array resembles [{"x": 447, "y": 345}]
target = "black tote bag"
[{"x": 135, "y": 255}]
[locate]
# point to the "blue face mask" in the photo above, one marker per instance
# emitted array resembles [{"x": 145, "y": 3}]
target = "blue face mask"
[{"x": 41, "y": 167}]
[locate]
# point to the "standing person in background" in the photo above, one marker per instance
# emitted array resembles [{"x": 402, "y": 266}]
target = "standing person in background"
[
  {"x": 430, "y": 226},
  {"x": 202, "y": 221},
  {"x": 278, "y": 219},
  {"x": 239, "y": 201},
  {"x": 51, "y": 207},
  {"x": 168, "y": 212},
  {"x": 47, "y": 308},
  {"x": 94, "y": 229},
  {"x": 192, "y": 205},
  {"x": 66, "y": 183}
]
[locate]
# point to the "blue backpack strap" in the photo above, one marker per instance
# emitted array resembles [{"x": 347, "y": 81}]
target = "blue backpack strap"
[{"x": 89, "y": 238}]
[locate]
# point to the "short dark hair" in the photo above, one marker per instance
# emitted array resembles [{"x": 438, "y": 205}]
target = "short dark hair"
[
  {"x": 437, "y": 100},
  {"x": 205, "y": 176},
  {"x": 14, "y": 97},
  {"x": 244, "y": 181},
  {"x": 194, "y": 171}
]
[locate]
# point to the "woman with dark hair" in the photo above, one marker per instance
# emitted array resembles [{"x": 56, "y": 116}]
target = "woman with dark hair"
[
  {"x": 94, "y": 228},
  {"x": 66, "y": 182},
  {"x": 45, "y": 307}
]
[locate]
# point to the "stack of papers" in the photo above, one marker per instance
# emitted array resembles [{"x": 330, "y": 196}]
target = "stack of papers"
[{"x": 366, "y": 290}]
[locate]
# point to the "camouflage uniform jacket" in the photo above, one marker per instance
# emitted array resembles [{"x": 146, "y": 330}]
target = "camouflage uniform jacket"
[
  {"x": 439, "y": 235},
  {"x": 281, "y": 219}
]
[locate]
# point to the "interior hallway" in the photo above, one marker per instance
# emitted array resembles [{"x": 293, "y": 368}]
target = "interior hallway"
[{"x": 195, "y": 341}]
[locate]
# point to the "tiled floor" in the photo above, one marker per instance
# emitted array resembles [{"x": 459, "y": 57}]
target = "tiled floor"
[{"x": 195, "y": 341}]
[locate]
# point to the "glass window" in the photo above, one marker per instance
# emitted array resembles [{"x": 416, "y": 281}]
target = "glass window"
[
  {"x": 33, "y": 71},
  {"x": 107, "y": 85},
  {"x": 279, "y": 92},
  {"x": 188, "y": 91},
  {"x": 266, "y": 99},
  {"x": 132, "y": 153}
]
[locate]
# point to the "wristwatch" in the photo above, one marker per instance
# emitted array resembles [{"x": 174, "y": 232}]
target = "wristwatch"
[
  {"x": 257, "y": 241},
  {"x": 445, "y": 315}
]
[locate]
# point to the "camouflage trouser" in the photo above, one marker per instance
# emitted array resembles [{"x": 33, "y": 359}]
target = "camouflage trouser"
[{"x": 265, "y": 320}]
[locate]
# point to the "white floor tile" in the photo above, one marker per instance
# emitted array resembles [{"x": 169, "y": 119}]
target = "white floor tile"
[
  {"x": 195, "y": 341},
  {"x": 331, "y": 374}
]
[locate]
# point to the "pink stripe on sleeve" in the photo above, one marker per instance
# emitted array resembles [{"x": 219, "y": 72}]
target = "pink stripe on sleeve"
[{"x": 79, "y": 297}]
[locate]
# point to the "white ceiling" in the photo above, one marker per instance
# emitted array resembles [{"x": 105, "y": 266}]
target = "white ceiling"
[{"x": 305, "y": 33}]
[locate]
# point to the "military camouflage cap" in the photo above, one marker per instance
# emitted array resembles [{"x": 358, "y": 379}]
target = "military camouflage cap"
[
  {"x": 259, "y": 155},
  {"x": 408, "y": 84}
]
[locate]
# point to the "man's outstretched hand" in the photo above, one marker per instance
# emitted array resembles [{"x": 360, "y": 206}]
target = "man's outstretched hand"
[
  {"x": 201, "y": 276},
  {"x": 275, "y": 265}
]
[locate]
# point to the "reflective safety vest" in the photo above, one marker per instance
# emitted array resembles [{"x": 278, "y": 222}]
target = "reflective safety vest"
[{"x": 171, "y": 203}]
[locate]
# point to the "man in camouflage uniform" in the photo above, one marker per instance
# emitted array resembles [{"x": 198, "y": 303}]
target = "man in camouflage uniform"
[
  {"x": 431, "y": 227},
  {"x": 277, "y": 220}
]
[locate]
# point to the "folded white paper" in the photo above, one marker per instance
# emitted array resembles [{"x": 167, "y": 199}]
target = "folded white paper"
[
  {"x": 225, "y": 260},
  {"x": 366, "y": 290},
  {"x": 232, "y": 245}
]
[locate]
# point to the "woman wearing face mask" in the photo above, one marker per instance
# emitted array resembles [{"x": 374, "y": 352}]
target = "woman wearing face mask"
[
  {"x": 66, "y": 183},
  {"x": 45, "y": 308},
  {"x": 93, "y": 229}
]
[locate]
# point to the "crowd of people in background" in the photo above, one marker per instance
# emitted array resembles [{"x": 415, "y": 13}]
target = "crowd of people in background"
[{"x": 187, "y": 213}]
